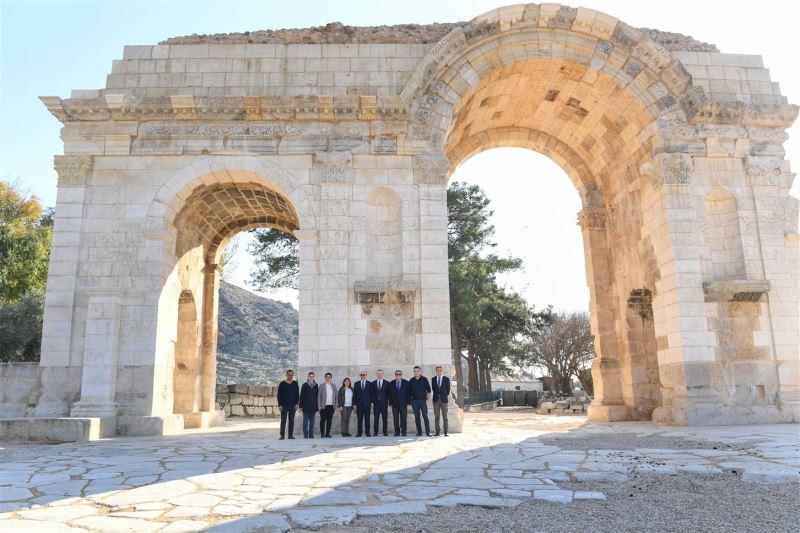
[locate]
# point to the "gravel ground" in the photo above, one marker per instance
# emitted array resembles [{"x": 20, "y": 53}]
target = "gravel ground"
[
  {"x": 645, "y": 502},
  {"x": 688, "y": 502},
  {"x": 615, "y": 441}
]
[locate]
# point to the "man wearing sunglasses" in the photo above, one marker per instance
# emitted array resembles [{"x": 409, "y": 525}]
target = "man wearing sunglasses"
[
  {"x": 399, "y": 399},
  {"x": 362, "y": 400}
]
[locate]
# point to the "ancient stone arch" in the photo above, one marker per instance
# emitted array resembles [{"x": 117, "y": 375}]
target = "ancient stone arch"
[{"x": 347, "y": 138}]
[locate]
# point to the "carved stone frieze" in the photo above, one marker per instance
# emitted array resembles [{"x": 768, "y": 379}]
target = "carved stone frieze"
[
  {"x": 431, "y": 169},
  {"x": 334, "y": 167}
]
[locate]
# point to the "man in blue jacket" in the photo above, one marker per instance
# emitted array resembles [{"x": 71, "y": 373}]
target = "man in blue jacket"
[
  {"x": 362, "y": 400},
  {"x": 288, "y": 400}
]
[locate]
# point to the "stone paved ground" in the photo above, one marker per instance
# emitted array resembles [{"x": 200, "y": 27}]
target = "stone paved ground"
[{"x": 241, "y": 478}]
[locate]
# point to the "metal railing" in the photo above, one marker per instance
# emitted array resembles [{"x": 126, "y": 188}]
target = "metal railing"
[{"x": 482, "y": 397}]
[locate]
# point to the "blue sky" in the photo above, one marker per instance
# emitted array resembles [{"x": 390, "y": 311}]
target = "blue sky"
[{"x": 50, "y": 48}]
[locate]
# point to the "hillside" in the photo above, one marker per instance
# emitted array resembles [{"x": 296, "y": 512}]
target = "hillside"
[{"x": 257, "y": 337}]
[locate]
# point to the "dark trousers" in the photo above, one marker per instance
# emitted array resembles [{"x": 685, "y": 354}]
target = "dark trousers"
[
  {"x": 380, "y": 411},
  {"x": 287, "y": 413},
  {"x": 362, "y": 414},
  {"x": 400, "y": 416},
  {"x": 421, "y": 406},
  {"x": 325, "y": 420}
]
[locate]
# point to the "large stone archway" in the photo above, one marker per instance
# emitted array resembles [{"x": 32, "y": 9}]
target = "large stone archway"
[{"x": 675, "y": 149}]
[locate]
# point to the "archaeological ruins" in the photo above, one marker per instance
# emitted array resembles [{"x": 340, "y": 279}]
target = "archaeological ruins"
[{"x": 346, "y": 137}]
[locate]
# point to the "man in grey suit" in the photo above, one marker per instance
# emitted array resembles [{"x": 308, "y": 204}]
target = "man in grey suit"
[{"x": 440, "y": 386}]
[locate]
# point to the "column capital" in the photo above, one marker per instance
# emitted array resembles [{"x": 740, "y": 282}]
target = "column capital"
[
  {"x": 592, "y": 218},
  {"x": 73, "y": 170}
]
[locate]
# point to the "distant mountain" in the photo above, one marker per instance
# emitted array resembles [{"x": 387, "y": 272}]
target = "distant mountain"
[{"x": 257, "y": 339}]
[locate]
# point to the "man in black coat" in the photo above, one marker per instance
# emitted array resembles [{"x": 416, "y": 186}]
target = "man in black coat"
[
  {"x": 309, "y": 398},
  {"x": 288, "y": 399},
  {"x": 440, "y": 385},
  {"x": 420, "y": 392},
  {"x": 380, "y": 402},
  {"x": 362, "y": 400},
  {"x": 399, "y": 399}
]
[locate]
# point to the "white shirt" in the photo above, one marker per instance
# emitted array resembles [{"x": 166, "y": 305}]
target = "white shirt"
[
  {"x": 363, "y": 385},
  {"x": 329, "y": 394},
  {"x": 348, "y": 397},
  {"x": 380, "y": 384},
  {"x": 439, "y": 383}
]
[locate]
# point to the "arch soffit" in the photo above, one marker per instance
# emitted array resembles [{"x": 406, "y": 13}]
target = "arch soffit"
[
  {"x": 521, "y": 32},
  {"x": 172, "y": 196}
]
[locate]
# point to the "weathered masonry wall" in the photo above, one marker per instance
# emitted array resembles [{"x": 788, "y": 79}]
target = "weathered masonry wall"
[
  {"x": 348, "y": 142},
  {"x": 248, "y": 400}
]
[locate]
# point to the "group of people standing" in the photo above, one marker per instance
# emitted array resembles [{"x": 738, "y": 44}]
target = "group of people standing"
[{"x": 362, "y": 398}]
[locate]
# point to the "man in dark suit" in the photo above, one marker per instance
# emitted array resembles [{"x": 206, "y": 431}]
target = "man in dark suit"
[
  {"x": 399, "y": 399},
  {"x": 440, "y": 385},
  {"x": 362, "y": 400},
  {"x": 380, "y": 402}
]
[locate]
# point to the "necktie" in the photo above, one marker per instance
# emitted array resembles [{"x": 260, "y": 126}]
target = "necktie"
[
  {"x": 440, "y": 381},
  {"x": 398, "y": 385},
  {"x": 379, "y": 384}
]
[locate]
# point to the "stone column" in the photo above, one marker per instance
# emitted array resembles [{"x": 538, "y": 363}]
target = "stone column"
[
  {"x": 211, "y": 277},
  {"x": 60, "y": 364},
  {"x": 100, "y": 356},
  {"x": 608, "y": 404},
  {"x": 308, "y": 342}
]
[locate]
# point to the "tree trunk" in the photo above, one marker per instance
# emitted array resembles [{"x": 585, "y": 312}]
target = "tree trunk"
[
  {"x": 473, "y": 369},
  {"x": 585, "y": 377},
  {"x": 457, "y": 374},
  {"x": 481, "y": 376},
  {"x": 566, "y": 385}
]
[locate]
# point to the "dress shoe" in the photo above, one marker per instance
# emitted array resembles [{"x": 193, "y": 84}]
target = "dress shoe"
[
  {"x": 446, "y": 435},
  {"x": 368, "y": 435},
  {"x": 403, "y": 434},
  {"x": 436, "y": 434},
  {"x": 419, "y": 434},
  {"x": 282, "y": 437},
  {"x": 358, "y": 434},
  {"x": 385, "y": 434},
  {"x": 396, "y": 435},
  {"x": 291, "y": 437},
  {"x": 427, "y": 434}
]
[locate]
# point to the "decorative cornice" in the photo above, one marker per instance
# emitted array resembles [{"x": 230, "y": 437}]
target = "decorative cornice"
[
  {"x": 73, "y": 170},
  {"x": 189, "y": 107},
  {"x": 742, "y": 114},
  {"x": 740, "y": 290}
]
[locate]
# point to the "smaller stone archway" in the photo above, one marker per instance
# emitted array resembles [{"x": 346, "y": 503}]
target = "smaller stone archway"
[{"x": 221, "y": 205}]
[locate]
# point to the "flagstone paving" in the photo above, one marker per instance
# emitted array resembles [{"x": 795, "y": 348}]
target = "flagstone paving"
[{"x": 240, "y": 477}]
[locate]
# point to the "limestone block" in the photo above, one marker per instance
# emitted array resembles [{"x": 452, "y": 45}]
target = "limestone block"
[
  {"x": 237, "y": 410},
  {"x": 236, "y": 399}
]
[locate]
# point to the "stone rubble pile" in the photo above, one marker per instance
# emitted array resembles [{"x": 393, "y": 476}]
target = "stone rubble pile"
[
  {"x": 248, "y": 400},
  {"x": 564, "y": 406}
]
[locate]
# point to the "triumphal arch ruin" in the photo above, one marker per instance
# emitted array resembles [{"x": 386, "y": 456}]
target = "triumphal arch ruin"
[{"x": 346, "y": 137}]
